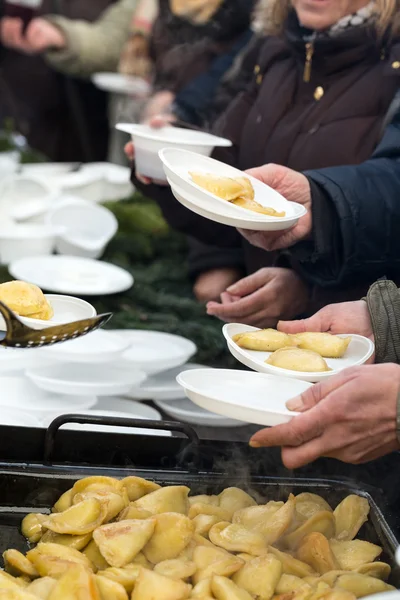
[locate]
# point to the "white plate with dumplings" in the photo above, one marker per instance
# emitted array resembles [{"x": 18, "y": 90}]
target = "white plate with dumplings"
[
  {"x": 226, "y": 195},
  {"x": 358, "y": 352},
  {"x": 249, "y": 397}
]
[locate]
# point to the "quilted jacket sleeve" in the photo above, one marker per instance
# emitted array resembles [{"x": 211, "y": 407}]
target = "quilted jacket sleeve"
[
  {"x": 356, "y": 215},
  {"x": 93, "y": 47}
]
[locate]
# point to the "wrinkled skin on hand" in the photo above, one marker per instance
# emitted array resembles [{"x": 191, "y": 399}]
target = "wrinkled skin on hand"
[{"x": 350, "y": 417}]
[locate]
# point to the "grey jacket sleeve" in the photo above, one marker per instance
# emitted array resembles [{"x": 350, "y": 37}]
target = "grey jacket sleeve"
[
  {"x": 383, "y": 301},
  {"x": 92, "y": 47}
]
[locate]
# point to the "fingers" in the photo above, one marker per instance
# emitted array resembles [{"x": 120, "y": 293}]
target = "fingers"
[
  {"x": 248, "y": 285},
  {"x": 320, "y": 391},
  {"x": 319, "y": 322},
  {"x": 242, "y": 309},
  {"x": 160, "y": 121},
  {"x": 298, "y": 431},
  {"x": 129, "y": 150},
  {"x": 294, "y": 458}
]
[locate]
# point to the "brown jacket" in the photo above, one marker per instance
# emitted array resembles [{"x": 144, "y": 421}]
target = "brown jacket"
[
  {"x": 335, "y": 119},
  {"x": 36, "y": 96}
]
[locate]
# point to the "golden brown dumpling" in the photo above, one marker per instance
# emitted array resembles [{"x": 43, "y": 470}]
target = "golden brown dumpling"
[
  {"x": 258, "y": 208},
  {"x": 295, "y": 359},
  {"x": 225, "y": 188},
  {"x": 46, "y": 314},
  {"x": 325, "y": 344},
  {"x": 25, "y": 299},
  {"x": 265, "y": 340}
]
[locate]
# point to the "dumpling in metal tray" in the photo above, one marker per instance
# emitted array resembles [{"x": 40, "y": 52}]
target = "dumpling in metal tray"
[{"x": 295, "y": 359}]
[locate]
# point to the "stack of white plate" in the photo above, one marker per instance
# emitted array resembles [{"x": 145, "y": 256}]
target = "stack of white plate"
[{"x": 104, "y": 373}]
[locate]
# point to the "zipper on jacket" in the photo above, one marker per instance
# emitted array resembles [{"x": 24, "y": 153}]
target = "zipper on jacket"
[{"x": 308, "y": 63}]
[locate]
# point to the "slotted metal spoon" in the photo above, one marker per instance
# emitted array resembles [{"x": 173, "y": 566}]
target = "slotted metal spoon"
[{"x": 19, "y": 335}]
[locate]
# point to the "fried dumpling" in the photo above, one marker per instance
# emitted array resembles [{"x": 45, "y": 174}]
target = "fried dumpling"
[
  {"x": 325, "y": 344},
  {"x": 226, "y": 188},
  {"x": 265, "y": 340},
  {"x": 45, "y": 314},
  {"x": 25, "y": 299},
  {"x": 350, "y": 516},
  {"x": 120, "y": 542},
  {"x": 353, "y": 554},
  {"x": 295, "y": 359},
  {"x": 254, "y": 206},
  {"x": 153, "y": 585},
  {"x": 260, "y": 576}
]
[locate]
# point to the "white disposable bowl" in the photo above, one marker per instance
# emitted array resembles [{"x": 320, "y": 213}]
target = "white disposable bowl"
[
  {"x": 149, "y": 141},
  {"x": 19, "y": 394},
  {"x": 19, "y": 241},
  {"x": 85, "y": 379},
  {"x": 26, "y": 197},
  {"x": 85, "y": 228}
]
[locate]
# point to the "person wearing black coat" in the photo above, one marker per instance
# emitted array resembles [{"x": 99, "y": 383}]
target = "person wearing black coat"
[{"x": 353, "y": 220}]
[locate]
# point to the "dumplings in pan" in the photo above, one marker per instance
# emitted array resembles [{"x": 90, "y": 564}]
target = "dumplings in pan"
[
  {"x": 26, "y": 300},
  {"x": 326, "y": 344},
  {"x": 295, "y": 359},
  {"x": 265, "y": 340},
  {"x": 134, "y": 540},
  {"x": 238, "y": 191}
]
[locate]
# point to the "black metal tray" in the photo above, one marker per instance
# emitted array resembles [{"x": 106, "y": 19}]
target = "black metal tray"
[{"x": 34, "y": 486}]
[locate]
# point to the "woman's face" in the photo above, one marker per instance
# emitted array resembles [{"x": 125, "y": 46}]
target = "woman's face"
[{"x": 322, "y": 14}]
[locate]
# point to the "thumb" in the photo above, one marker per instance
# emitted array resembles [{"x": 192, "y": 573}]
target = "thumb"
[
  {"x": 267, "y": 174},
  {"x": 249, "y": 285},
  {"x": 320, "y": 391},
  {"x": 320, "y": 322}
]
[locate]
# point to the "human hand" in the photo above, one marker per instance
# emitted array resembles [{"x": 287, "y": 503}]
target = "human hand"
[
  {"x": 350, "y": 416},
  {"x": 159, "y": 105},
  {"x": 262, "y": 299},
  {"x": 345, "y": 317},
  {"x": 129, "y": 149},
  {"x": 211, "y": 284},
  {"x": 40, "y": 35},
  {"x": 294, "y": 187}
]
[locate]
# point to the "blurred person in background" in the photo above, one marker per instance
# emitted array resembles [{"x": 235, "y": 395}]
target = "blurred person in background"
[
  {"x": 322, "y": 87},
  {"x": 64, "y": 118}
]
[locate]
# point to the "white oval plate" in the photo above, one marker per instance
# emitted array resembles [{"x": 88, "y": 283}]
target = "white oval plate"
[
  {"x": 179, "y": 163},
  {"x": 82, "y": 380},
  {"x": 250, "y": 397},
  {"x": 359, "y": 351},
  {"x": 154, "y": 351},
  {"x": 96, "y": 347},
  {"x": 174, "y": 135},
  {"x": 114, "y": 428},
  {"x": 163, "y": 386},
  {"x": 72, "y": 275},
  {"x": 188, "y": 412},
  {"x": 117, "y": 83},
  {"x": 19, "y": 394}
]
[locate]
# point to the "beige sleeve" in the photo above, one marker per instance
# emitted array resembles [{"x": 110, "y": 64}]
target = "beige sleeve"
[{"x": 93, "y": 47}]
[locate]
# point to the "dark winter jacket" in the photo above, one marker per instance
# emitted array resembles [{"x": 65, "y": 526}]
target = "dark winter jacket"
[
  {"x": 356, "y": 219},
  {"x": 39, "y": 101},
  {"x": 335, "y": 119}
]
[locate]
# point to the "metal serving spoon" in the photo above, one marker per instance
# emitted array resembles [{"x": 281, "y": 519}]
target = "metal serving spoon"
[{"x": 19, "y": 335}]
